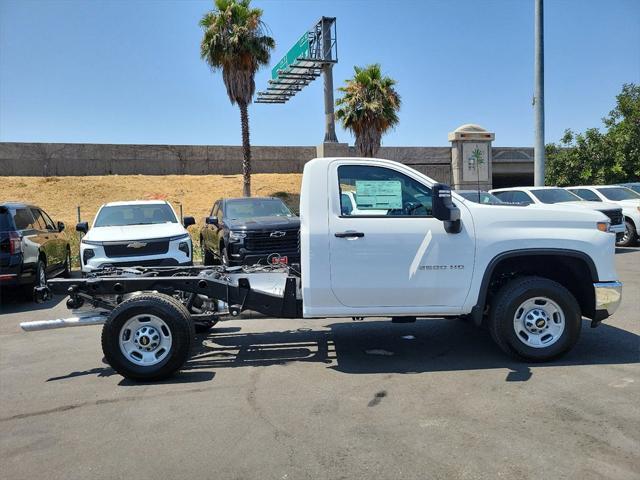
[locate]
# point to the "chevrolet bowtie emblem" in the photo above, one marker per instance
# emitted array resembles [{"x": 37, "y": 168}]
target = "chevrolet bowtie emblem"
[
  {"x": 136, "y": 245},
  {"x": 277, "y": 234}
]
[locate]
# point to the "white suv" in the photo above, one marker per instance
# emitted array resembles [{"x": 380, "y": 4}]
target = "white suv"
[
  {"x": 139, "y": 233},
  {"x": 624, "y": 197},
  {"x": 549, "y": 195}
]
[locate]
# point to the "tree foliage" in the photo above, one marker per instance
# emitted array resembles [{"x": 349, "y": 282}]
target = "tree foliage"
[
  {"x": 596, "y": 157},
  {"x": 235, "y": 41},
  {"x": 369, "y": 107}
]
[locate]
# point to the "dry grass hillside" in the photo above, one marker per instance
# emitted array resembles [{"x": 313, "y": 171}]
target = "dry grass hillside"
[{"x": 60, "y": 196}]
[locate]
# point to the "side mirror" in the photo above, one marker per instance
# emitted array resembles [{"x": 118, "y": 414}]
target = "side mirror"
[
  {"x": 60, "y": 226},
  {"x": 211, "y": 220},
  {"x": 444, "y": 209},
  {"x": 186, "y": 221},
  {"x": 82, "y": 227}
]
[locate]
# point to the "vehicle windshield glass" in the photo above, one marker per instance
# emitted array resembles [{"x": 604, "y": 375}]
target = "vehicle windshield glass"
[
  {"x": 482, "y": 197},
  {"x": 619, "y": 193},
  {"x": 635, "y": 187},
  {"x": 141, "y": 214},
  {"x": 555, "y": 195},
  {"x": 256, "y": 207}
]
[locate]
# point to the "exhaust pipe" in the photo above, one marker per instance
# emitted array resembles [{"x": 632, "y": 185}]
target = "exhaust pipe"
[{"x": 63, "y": 323}]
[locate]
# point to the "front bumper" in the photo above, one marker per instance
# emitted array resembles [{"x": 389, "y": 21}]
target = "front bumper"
[
  {"x": 608, "y": 296},
  {"x": 619, "y": 228}
]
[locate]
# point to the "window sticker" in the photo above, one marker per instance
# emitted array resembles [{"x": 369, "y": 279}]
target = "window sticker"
[{"x": 379, "y": 194}]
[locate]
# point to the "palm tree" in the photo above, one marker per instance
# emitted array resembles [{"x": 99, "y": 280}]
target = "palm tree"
[
  {"x": 235, "y": 41},
  {"x": 369, "y": 107}
]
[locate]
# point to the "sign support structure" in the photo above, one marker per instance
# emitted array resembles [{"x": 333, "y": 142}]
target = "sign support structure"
[{"x": 314, "y": 54}]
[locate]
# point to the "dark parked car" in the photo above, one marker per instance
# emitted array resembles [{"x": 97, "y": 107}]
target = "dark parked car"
[
  {"x": 246, "y": 231},
  {"x": 32, "y": 247}
]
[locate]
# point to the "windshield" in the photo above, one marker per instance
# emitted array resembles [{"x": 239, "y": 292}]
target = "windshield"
[
  {"x": 482, "y": 197},
  {"x": 618, "y": 193},
  {"x": 256, "y": 207},
  {"x": 142, "y": 214},
  {"x": 635, "y": 187},
  {"x": 555, "y": 195}
]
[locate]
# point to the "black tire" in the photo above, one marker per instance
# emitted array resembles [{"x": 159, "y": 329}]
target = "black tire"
[
  {"x": 207, "y": 257},
  {"x": 503, "y": 310},
  {"x": 224, "y": 257},
  {"x": 66, "y": 273},
  {"x": 172, "y": 313},
  {"x": 629, "y": 237}
]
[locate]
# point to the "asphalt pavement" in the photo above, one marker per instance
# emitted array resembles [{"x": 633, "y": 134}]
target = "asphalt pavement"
[{"x": 316, "y": 399}]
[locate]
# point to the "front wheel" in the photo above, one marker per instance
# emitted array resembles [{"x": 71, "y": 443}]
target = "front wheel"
[
  {"x": 628, "y": 237},
  {"x": 535, "y": 319},
  {"x": 148, "y": 337},
  {"x": 66, "y": 272}
]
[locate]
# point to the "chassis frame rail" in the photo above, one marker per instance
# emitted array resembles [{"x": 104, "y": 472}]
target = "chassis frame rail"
[{"x": 238, "y": 297}]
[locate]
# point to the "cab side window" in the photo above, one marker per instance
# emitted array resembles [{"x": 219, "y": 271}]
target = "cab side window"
[
  {"x": 40, "y": 223},
  {"x": 380, "y": 192},
  {"x": 586, "y": 194},
  {"x": 504, "y": 196},
  {"x": 48, "y": 222},
  {"x": 24, "y": 220},
  {"x": 520, "y": 197}
]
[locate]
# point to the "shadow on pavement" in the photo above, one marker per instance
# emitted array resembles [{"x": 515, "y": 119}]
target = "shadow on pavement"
[
  {"x": 627, "y": 249},
  {"x": 372, "y": 347},
  {"x": 15, "y": 301}
]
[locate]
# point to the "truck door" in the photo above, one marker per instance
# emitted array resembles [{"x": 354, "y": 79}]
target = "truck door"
[{"x": 387, "y": 250}]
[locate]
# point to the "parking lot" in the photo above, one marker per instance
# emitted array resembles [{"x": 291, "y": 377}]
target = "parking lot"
[{"x": 334, "y": 398}]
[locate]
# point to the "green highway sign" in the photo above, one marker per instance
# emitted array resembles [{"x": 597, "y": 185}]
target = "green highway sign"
[{"x": 299, "y": 50}]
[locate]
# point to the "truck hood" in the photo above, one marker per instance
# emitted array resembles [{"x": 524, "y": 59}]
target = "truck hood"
[
  {"x": 629, "y": 203},
  {"x": 592, "y": 205},
  {"x": 134, "y": 232},
  {"x": 263, "y": 223}
]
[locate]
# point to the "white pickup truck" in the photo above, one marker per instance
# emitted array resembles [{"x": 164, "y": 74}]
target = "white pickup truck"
[{"x": 412, "y": 249}]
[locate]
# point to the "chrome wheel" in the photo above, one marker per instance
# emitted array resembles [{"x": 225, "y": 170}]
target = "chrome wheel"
[
  {"x": 145, "y": 340},
  {"x": 539, "y": 322}
]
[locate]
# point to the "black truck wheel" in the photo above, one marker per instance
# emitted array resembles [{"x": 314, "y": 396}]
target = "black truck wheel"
[
  {"x": 628, "y": 238},
  {"x": 207, "y": 256},
  {"x": 535, "y": 319},
  {"x": 148, "y": 337}
]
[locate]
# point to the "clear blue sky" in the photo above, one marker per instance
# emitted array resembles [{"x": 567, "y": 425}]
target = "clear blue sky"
[{"x": 128, "y": 71}]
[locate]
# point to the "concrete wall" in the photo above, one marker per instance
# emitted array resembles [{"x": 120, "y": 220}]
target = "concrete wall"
[{"x": 71, "y": 159}]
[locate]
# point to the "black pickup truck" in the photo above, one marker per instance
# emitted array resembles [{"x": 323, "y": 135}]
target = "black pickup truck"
[{"x": 246, "y": 231}]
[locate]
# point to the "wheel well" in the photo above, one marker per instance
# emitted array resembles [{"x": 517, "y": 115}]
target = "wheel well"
[
  {"x": 572, "y": 272},
  {"x": 630, "y": 220}
]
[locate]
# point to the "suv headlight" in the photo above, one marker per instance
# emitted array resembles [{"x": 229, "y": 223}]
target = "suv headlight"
[{"x": 236, "y": 236}]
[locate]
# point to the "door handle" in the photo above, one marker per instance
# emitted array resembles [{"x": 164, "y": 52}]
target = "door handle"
[{"x": 349, "y": 234}]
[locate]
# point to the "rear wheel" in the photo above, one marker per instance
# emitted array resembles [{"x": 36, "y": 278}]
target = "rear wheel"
[
  {"x": 629, "y": 236},
  {"x": 148, "y": 337},
  {"x": 535, "y": 319}
]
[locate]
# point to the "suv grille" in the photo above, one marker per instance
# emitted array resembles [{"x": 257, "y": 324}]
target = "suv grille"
[
  {"x": 267, "y": 242},
  {"x": 614, "y": 215},
  {"x": 136, "y": 248}
]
